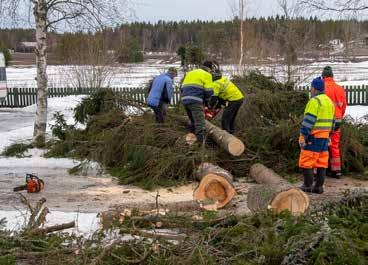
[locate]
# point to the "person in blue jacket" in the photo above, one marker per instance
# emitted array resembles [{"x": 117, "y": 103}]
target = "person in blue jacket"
[{"x": 161, "y": 92}]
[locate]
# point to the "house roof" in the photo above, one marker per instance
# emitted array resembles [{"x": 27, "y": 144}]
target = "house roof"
[{"x": 29, "y": 44}]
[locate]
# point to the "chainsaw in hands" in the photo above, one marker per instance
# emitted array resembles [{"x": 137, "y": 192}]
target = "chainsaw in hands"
[{"x": 33, "y": 184}]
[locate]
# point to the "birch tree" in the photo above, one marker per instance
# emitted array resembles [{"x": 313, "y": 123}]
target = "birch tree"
[
  {"x": 238, "y": 10},
  {"x": 50, "y": 14},
  {"x": 291, "y": 41},
  {"x": 241, "y": 31}
]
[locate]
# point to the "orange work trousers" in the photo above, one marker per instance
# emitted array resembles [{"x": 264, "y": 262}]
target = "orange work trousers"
[
  {"x": 335, "y": 153},
  {"x": 309, "y": 159}
]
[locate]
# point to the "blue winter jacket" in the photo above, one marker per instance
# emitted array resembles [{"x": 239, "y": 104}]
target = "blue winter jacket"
[{"x": 162, "y": 90}]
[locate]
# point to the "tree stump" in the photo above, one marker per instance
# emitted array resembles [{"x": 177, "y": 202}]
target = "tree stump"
[
  {"x": 275, "y": 193},
  {"x": 215, "y": 189}
]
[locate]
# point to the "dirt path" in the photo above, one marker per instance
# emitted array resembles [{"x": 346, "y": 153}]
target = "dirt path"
[
  {"x": 84, "y": 194},
  {"x": 96, "y": 194}
]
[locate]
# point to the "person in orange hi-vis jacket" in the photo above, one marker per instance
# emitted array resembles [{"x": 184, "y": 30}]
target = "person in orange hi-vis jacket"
[{"x": 337, "y": 94}]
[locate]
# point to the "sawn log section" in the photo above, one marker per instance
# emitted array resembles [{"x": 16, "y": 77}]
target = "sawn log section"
[
  {"x": 216, "y": 188},
  {"x": 275, "y": 193}
]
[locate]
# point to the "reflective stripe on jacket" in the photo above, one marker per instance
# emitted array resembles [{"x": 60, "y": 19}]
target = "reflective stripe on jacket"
[
  {"x": 318, "y": 118},
  {"x": 227, "y": 90},
  {"x": 197, "y": 87},
  {"x": 162, "y": 90},
  {"x": 337, "y": 94}
]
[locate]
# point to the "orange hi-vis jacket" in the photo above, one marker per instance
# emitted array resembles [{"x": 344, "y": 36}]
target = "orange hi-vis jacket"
[{"x": 337, "y": 94}]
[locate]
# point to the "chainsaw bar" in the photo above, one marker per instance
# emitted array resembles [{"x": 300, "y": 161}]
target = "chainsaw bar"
[{"x": 20, "y": 188}]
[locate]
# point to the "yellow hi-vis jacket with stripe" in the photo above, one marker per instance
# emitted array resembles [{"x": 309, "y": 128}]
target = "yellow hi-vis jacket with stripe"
[
  {"x": 227, "y": 90},
  {"x": 196, "y": 87},
  {"x": 318, "y": 117}
]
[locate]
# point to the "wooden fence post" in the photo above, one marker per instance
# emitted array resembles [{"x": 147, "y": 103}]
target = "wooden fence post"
[{"x": 16, "y": 99}]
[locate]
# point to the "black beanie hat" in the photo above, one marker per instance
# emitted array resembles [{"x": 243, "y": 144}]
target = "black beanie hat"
[
  {"x": 327, "y": 72},
  {"x": 208, "y": 64}
]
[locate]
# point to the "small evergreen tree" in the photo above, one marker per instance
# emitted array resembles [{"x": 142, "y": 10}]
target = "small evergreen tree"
[
  {"x": 182, "y": 52},
  {"x": 4, "y": 49},
  {"x": 130, "y": 52},
  {"x": 190, "y": 54}
]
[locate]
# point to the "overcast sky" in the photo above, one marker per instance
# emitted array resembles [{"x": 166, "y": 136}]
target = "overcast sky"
[{"x": 154, "y": 10}]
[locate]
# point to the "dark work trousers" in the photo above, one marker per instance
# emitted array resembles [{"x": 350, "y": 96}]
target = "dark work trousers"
[
  {"x": 229, "y": 115},
  {"x": 160, "y": 112},
  {"x": 197, "y": 120}
]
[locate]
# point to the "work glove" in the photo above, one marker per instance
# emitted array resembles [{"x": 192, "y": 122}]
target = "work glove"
[{"x": 302, "y": 142}]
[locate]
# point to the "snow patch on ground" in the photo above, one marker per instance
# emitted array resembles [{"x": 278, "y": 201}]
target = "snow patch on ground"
[
  {"x": 37, "y": 161},
  {"x": 86, "y": 223},
  {"x": 21, "y": 135},
  {"x": 24, "y": 133},
  {"x": 358, "y": 113},
  {"x": 34, "y": 160}
]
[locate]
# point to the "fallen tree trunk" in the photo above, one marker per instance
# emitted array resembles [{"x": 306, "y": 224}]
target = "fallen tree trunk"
[
  {"x": 227, "y": 141},
  {"x": 274, "y": 192},
  {"x": 215, "y": 189}
]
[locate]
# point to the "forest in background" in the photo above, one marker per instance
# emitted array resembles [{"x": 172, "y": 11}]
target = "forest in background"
[{"x": 290, "y": 39}]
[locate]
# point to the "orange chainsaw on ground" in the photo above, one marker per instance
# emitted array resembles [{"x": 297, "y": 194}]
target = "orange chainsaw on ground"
[{"x": 33, "y": 184}]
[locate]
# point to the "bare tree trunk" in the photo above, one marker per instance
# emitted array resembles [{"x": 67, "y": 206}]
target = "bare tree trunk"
[
  {"x": 40, "y": 13},
  {"x": 241, "y": 17},
  {"x": 289, "y": 69}
]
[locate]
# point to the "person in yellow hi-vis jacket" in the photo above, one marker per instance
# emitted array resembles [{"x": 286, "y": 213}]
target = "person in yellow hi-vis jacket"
[
  {"x": 315, "y": 131},
  {"x": 196, "y": 90},
  {"x": 226, "y": 93}
]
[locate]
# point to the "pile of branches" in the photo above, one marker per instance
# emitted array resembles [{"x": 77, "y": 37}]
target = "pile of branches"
[
  {"x": 139, "y": 152},
  {"x": 338, "y": 236},
  {"x": 132, "y": 148},
  {"x": 35, "y": 241}
]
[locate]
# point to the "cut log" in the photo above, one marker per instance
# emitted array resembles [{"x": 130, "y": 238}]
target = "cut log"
[
  {"x": 227, "y": 141},
  {"x": 274, "y": 192},
  {"x": 265, "y": 175},
  {"x": 215, "y": 189},
  {"x": 190, "y": 138}
]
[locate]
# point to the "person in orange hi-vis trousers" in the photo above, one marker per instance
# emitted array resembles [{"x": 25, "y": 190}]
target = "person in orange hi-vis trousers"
[
  {"x": 337, "y": 94},
  {"x": 315, "y": 131}
]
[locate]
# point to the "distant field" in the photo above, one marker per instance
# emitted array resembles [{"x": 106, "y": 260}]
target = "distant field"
[
  {"x": 136, "y": 75},
  {"x": 22, "y": 71},
  {"x": 28, "y": 59}
]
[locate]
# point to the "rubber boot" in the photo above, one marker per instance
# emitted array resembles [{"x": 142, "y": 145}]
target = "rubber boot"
[
  {"x": 336, "y": 174},
  {"x": 308, "y": 180},
  {"x": 320, "y": 180}
]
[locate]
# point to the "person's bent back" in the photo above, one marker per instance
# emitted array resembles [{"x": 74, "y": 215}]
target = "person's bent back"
[
  {"x": 161, "y": 93},
  {"x": 196, "y": 87},
  {"x": 195, "y": 92}
]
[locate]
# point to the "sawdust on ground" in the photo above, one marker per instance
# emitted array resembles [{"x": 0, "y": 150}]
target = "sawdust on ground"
[
  {"x": 97, "y": 194},
  {"x": 87, "y": 194}
]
